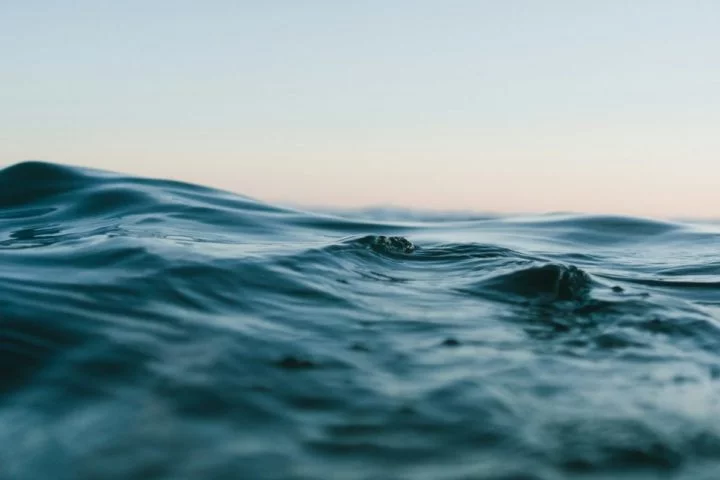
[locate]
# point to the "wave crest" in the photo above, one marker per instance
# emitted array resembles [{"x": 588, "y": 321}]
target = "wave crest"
[{"x": 549, "y": 282}]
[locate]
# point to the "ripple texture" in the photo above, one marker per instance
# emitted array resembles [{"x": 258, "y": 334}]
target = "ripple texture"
[{"x": 152, "y": 329}]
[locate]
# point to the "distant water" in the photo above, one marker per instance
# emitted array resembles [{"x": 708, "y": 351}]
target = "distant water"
[{"x": 157, "y": 330}]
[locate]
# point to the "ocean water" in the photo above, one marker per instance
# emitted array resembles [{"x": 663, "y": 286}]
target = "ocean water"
[{"x": 156, "y": 330}]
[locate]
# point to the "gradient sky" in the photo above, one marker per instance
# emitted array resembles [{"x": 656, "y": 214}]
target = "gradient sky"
[{"x": 522, "y": 106}]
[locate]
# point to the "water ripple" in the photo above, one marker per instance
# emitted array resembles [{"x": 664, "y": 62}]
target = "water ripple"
[{"x": 142, "y": 320}]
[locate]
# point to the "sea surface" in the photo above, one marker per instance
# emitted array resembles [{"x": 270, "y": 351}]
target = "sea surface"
[{"x": 152, "y": 329}]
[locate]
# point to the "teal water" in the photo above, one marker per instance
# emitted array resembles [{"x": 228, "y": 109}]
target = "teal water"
[{"x": 156, "y": 330}]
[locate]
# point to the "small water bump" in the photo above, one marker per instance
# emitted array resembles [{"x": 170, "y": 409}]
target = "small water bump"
[
  {"x": 359, "y": 347},
  {"x": 295, "y": 363},
  {"x": 389, "y": 245}
]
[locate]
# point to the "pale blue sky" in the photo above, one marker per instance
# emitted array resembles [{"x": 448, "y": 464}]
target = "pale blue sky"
[{"x": 609, "y": 107}]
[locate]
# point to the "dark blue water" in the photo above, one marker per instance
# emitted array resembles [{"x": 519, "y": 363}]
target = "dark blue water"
[{"x": 158, "y": 330}]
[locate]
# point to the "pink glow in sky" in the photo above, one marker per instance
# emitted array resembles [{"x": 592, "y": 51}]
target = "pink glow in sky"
[{"x": 489, "y": 106}]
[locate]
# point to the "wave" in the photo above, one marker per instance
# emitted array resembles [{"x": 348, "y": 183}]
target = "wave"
[
  {"x": 551, "y": 281},
  {"x": 142, "y": 319}
]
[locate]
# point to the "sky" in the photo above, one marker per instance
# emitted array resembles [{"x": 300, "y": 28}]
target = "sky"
[{"x": 492, "y": 106}]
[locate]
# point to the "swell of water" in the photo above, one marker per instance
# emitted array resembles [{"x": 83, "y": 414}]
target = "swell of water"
[{"x": 154, "y": 329}]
